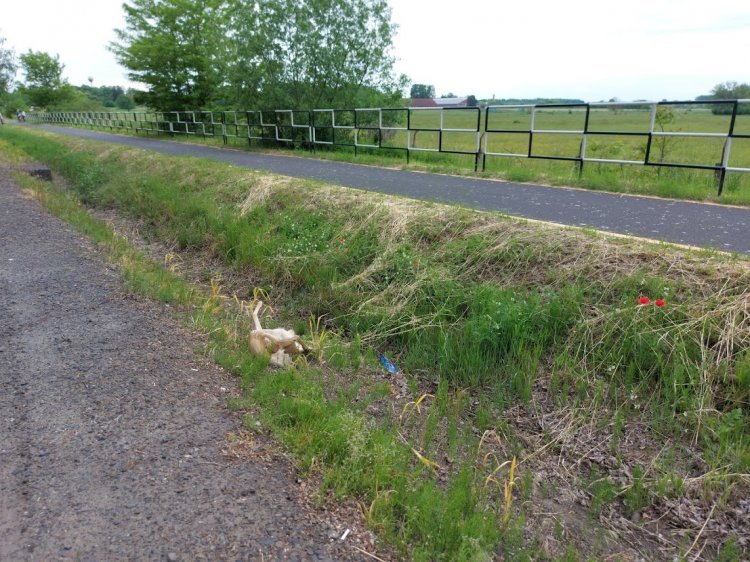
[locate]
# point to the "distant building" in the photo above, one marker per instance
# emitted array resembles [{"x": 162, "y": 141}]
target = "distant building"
[
  {"x": 440, "y": 102},
  {"x": 423, "y": 102}
]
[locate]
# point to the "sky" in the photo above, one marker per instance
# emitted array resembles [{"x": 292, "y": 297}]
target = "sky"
[{"x": 586, "y": 49}]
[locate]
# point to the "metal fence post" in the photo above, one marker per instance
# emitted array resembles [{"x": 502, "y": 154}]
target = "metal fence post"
[
  {"x": 650, "y": 140},
  {"x": 726, "y": 149},
  {"x": 479, "y": 139},
  {"x": 484, "y": 152},
  {"x": 310, "y": 132},
  {"x": 408, "y": 134},
  {"x": 583, "y": 141}
]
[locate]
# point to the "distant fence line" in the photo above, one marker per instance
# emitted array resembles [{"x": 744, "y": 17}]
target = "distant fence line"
[{"x": 469, "y": 131}]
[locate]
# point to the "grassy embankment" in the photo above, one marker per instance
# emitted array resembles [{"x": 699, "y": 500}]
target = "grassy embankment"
[
  {"x": 674, "y": 183},
  {"x": 515, "y": 341}
]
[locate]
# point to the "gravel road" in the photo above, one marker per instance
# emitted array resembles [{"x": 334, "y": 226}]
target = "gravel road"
[{"x": 112, "y": 428}]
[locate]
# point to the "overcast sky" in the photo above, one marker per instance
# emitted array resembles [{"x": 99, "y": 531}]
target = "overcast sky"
[{"x": 586, "y": 49}]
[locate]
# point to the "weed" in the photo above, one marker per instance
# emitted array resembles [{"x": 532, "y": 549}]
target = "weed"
[
  {"x": 355, "y": 352},
  {"x": 636, "y": 497},
  {"x": 318, "y": 334},
  {"x": 411, "y": 407},
  {"x": 336, "y": 354},
  {"x": 669, "y": 486},
  {"x": 508, "y": 493},
  {"x": 483, "y": 418},
  {"x": 527, "y": 485},
  {"x": 617, "y": 430},
  {"x": 602, "y": 491},
  {"x": 730, "y": 551}
]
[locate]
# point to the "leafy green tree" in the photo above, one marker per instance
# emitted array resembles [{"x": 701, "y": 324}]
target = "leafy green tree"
[
  {"x": 730, "y": 91},
  {"x": 13, "y": 101},
  {"x": 105, "y": 96},
  {"x": 78, "y": 101},
  {"x": 125, "y": 102},
  {"x": 8, "y": 67},
  {"x": 44, "y": 84},
  {"x": 471, "y": 101},
  {"x": 177, "y": 48},
  {"x": 139, "y": 96},
  {"x": 422, "y": 91},
  {"x": 318, "y": 53},
  {"x": 261, "y": 54},
  {"x": 663, "y": 119}
]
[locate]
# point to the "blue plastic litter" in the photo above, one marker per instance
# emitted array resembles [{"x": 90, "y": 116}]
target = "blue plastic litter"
[{"x": 390, "y": 367}]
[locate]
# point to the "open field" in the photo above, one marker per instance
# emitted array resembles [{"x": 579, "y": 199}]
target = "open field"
[
  {"x": 540, "y": 411},
  {"x": 676, "y": 183}
]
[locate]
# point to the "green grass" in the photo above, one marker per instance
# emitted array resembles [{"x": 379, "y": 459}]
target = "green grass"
[
  {"x": 327, "y": 435},
  {"x": 466, "y": 303}
]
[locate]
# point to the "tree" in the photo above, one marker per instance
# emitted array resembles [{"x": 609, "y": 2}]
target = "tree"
[
  {"x": 78, "y": 101},
  {"x": 730, "y": 91},
  {"x": 103, "y": 95},
  {"x": 177, "y": 47},
  {"x": 43, "y": 83},
  {"x": 663, "y": 118},
  {"x": 421, "y": 91},
  {"x": 318, "y": 53},
  {"x": 139, "y": 96},
  {"x": 261, "y": 54},
  {"x": 15, "y": 100},
  {"x": 8, "y": 67},
  {"x": 124, "y": 102},
  {"x": 471, "y": 101}
]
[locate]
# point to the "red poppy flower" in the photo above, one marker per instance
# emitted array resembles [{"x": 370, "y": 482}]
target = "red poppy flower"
[
  {"x": 644, "y": 300},
  {"x": 659, "y": 303}
]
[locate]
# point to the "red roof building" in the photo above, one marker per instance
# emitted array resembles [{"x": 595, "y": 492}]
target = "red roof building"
[{"x": 423, "y": 102}]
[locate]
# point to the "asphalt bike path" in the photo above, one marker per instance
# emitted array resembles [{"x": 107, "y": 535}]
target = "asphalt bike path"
[{"x": 706, "y": 225}]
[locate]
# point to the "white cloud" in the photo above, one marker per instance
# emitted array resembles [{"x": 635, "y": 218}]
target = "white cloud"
[
  {"x": 577, "y": 49},
  {"x": 78, "y": 31}
]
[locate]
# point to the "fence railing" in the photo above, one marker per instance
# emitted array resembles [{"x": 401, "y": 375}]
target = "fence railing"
[
  {"x": 633, "y": 133},
  {"x": 654, "y": 123}
]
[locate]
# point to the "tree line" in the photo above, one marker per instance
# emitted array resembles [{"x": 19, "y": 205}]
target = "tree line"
[
  {"x": 238, "y": 54},
  {"x": 45, "y": 87},
  {"x": 260, "y": 54},
  {"x": 231, "y": 54},
  {"x": 728, "y": 91}
]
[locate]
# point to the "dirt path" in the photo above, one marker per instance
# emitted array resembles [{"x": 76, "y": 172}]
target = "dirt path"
[{"x": 112, "y": 428}]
